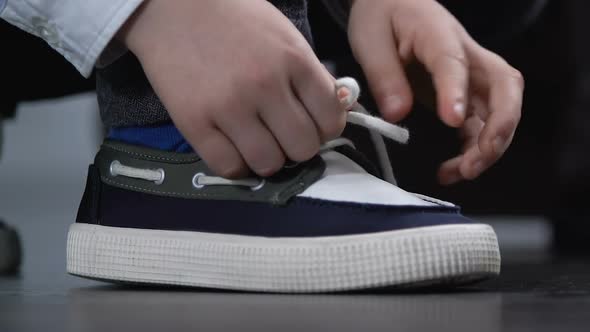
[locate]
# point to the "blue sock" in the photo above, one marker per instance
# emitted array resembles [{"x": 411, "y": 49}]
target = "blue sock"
[{"x": 162, "y": 137}]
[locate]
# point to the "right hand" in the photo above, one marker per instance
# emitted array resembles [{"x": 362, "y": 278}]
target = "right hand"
[{"x": 239, "y": 81}]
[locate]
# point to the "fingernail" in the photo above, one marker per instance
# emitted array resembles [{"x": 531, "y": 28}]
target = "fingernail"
[
  {"x": 498, "y": 145},
  {"x": 394, "y": 104},
  {"x": 344, "y": 96},
  {"x": 459, "y": 109}
]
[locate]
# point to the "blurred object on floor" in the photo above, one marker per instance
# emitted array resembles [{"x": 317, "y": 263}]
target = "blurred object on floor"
[
  {"x": 10, "y": 250},
  {"x": 10, "y": 247}
]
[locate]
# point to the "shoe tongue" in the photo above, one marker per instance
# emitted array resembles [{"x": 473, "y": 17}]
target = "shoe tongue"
[
  {"x": 360, "y": 159},
  {"x": 363, "y": 153},
  {"x": 344, "y": 180}
]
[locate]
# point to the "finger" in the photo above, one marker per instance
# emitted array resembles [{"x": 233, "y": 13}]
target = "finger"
[
  {"x": 506, "y": 86},
  {"x": 374, "y": 47},
  {"x": 255, "y": 143},
  {"x": 470, "y": 131},
  {"x": 449, "y": 172},
  {"x": 313, "y": 86},
  {"x": 292, "y": 126},
  {"x": 218, "y": 152},
  {"x": 443, "y": 55},
  {"x": 474, "y": 163}
]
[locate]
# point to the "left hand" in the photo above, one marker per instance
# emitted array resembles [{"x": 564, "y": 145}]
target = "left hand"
[{"x": 476, "y": 90}]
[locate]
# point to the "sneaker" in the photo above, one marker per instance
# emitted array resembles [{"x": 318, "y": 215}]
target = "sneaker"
[
  {"x": 325, "y": 225},
  {"x": 10, "y": 250}
]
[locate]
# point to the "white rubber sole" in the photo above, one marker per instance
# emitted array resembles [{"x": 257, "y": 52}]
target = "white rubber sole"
[{"x": 423, "y": 256}]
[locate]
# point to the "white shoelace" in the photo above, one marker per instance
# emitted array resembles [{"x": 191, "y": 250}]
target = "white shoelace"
[{"x": 358, "y": 115}]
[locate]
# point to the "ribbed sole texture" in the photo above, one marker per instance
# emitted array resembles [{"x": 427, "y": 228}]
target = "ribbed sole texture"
[{"x": 451, "y": 254}]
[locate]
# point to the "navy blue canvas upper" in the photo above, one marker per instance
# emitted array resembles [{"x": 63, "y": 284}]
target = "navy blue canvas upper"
[{"x": 302, "y": 217}]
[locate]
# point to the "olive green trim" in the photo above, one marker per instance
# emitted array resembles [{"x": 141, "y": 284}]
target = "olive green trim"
[{"x": 180, "y": 168}]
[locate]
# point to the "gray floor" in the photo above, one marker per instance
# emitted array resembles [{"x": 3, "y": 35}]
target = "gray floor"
[{"x": 41, "y": 179}]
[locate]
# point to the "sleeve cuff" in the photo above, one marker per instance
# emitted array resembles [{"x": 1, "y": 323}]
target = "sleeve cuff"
[{"x": 79, "y": 30}]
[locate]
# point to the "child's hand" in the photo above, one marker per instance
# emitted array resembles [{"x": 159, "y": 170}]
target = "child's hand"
[
  {"x": 477, "y": 90},
  {"x": 239, "y": 81}
]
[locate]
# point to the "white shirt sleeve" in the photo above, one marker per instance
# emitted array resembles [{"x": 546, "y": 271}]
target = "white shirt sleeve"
[{"x": 80, "y": 30}]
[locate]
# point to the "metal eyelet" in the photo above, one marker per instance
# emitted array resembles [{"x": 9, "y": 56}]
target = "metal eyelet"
[
  {"x": 196, "y": 181},
  {"x": 111, "y": 168},
  {"x": 291, "y": 164},
  {"x": 162, "y": 176},
  {"x": 259, "y": 186}
]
